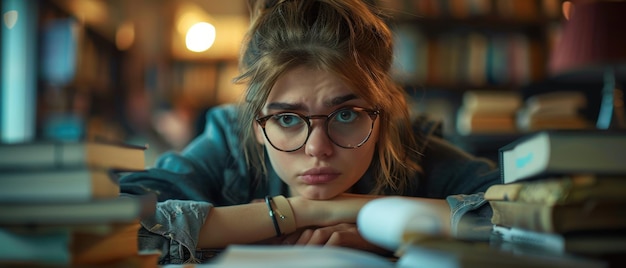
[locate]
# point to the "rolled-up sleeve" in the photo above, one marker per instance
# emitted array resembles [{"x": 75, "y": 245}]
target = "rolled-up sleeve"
[
  {"x": 209, "y": 172},
  {"x": 461, "y": 179},
  {"x": 470, "y": 216},
  {"x": 174, "y": 230}
]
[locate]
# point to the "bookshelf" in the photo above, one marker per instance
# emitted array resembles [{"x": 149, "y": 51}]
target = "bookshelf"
[
  {"x": 445, "y": 48},
  {"x": 80, "y": 93},
  {"x": 464, "y": 44}
]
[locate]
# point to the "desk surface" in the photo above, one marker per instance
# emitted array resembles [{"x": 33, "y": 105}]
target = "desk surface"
[{"x": 437, "y": 253}]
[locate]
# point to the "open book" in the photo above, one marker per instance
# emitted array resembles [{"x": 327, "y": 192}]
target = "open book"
[{"x": 275, "y": 256}]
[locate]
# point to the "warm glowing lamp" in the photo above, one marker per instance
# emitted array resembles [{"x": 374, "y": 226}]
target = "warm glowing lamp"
[
  {"x": 195, "y": 27},
  {"x": 200, "y": 37},
  {"x": 592, "y": 46}
]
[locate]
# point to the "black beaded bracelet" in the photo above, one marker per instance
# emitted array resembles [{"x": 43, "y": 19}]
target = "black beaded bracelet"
[{"x": 268, "y": 202}]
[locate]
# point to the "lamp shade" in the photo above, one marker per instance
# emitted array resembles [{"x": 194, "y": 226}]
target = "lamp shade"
[{"x": 593, "y": 36}]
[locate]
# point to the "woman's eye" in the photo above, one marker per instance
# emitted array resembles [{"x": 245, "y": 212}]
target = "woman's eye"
[
  {"x": 346, "y": 116},
  {"x": 287, "y": 120}
]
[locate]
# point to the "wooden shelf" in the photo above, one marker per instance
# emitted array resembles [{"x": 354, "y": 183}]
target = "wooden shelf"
[{"x": 463, "y": 45}]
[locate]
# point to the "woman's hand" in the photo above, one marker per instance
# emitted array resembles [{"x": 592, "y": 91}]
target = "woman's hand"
[
  {"x": 342, "y": 235},
  {"x": 340, "y": 209}
]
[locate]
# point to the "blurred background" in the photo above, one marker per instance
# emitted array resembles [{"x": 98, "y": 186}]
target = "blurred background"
[
  {"x": 146, "y": 71},
  {"x": 138, "y": 71}
]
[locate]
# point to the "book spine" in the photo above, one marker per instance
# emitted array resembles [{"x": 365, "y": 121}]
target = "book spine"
[{"x": 559, "y": 218}]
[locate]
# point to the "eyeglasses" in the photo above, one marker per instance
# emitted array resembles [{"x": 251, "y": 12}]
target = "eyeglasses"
[{"x": 348, "y": 127}]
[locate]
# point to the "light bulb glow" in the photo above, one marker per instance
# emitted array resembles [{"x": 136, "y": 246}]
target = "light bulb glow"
[{"x": 200, "y": 37}]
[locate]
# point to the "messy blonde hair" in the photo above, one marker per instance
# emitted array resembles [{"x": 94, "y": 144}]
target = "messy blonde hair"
[{"x": 346, "y": 38}]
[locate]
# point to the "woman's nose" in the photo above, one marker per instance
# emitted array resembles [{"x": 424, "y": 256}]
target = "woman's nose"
[{"x": 319, "y": 144}]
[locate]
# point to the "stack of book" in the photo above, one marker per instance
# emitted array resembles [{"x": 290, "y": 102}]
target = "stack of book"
[
  {"x": 554, "y": 110},
  {"x": 60, "y": 204},
  {"x": 488, "y": 112},
  {"x": 564, "y": 192},
  {"x": 416, "y": 234}
]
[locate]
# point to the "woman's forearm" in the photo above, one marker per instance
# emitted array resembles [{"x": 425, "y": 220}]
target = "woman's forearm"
[
  {"x": 249, "y": 223},
  {"x": 240, "y": 224}
]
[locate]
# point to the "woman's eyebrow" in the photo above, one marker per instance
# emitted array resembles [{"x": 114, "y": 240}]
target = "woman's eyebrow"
[
  {"x": 298, "y": 106},
  {"x": 339, "y": 100},
  {"x": 284, "y": 106}
]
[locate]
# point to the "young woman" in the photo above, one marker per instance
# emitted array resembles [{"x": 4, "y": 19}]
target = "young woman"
[{"x": 322, "y": 130}]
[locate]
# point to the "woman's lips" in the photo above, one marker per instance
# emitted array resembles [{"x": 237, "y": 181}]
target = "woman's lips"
[{"x": 319, "y": 175}]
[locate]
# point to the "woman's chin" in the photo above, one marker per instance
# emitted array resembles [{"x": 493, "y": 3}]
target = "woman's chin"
[{"x": 317, "y": 194}]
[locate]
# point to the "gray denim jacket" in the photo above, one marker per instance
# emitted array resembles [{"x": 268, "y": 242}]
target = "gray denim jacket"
[{"x": 211, "y": 171}]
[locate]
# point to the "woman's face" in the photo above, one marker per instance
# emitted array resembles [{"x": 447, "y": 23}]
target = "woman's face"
[{"x": 320, "y": 169}]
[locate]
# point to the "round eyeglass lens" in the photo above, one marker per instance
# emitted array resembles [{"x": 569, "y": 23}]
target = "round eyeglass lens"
[
  {"x": 349, "y": 128},
  {"x": 286, "y": 131}
]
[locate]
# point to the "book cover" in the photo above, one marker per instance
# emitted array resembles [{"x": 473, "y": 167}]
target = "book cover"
[
  {"x": 120, "y": 209},
  {"x": 58, "y": 185},
  {"x": 566, "y": 189},
  {"x": 560, "y": 218},
  {"x": 59, "y": 154},
  {"x": 554, "y": 152}
]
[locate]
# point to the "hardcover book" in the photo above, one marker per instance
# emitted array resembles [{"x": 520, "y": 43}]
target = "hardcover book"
[
  {"x": 558, "y": 152},
  {"x": 58, "y": 185},
  {"x": 120, "y": 209},
  {"x": 566, "y": 189},
  {"x": 60, "y": 154},
  {"x": 560, "y": 218}
]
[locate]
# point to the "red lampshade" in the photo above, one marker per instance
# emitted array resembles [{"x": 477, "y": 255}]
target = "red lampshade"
[
  {"x": 592, "y": 48},
  {"x": 594, "y": 36}
]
